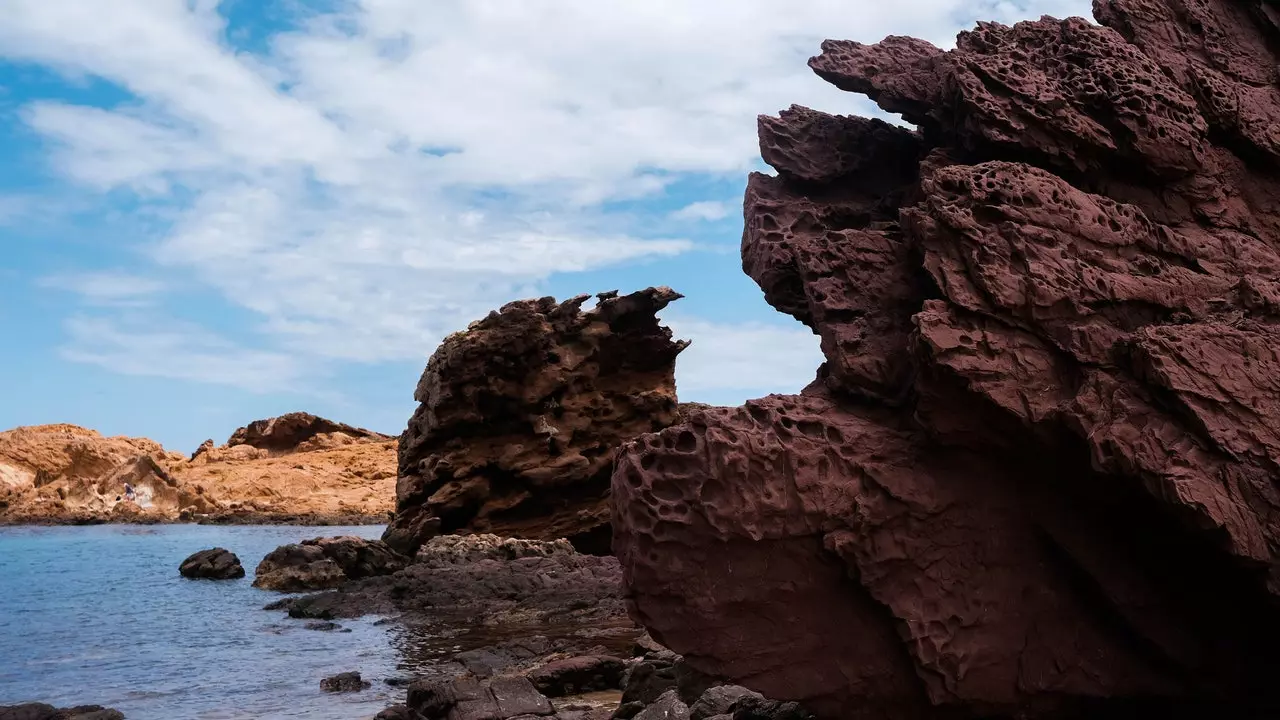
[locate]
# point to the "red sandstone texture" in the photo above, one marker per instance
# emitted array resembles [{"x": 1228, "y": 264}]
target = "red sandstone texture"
[
  {"x": 1037, "y": 475},
  {"x": 520, "y": 415}
]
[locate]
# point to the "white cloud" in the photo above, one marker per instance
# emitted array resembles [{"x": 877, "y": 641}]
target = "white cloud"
[
  {"x": 178, "y": 352},
  {"x": 107, "y": 288},
  {"x": 398, "y": 168},
  {"x": 743, "y": 356},
  {"x": 709, "y": 210}
]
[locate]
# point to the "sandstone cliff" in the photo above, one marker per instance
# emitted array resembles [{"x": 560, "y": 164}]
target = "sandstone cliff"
[
  {"x": 520, "y": 415},
  {"x": 1037, "y": 475},
  {"x": 296, "y": 468}
]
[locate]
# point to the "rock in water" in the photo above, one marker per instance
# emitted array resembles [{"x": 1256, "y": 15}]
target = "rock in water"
[
  {"x": 344, "y": 682},
  {"x": 213, "y": 564},
  {"x": 1037, "y": 474},
  {"x": 325, "y": 563},
  {"x": 40, "y": 711},
  {"x": 520, "y": 415}
]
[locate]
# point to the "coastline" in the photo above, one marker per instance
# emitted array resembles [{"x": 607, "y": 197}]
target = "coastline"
[{"x": 260, "y": 519}]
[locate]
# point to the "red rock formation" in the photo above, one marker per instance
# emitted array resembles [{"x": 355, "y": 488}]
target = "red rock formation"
[
  {"x": 520, "y": 415},
  {"x": 1037, "y": 475}
]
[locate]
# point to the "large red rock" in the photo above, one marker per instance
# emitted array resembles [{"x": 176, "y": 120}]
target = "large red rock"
[
  {"x": 1037, "y": 474},
  {"x": 520, "y": 415}
]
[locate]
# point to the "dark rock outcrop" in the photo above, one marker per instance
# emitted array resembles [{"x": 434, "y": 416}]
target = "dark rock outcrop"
[
  {"x": 467, "y": 698},
  {"x": 1037, "y": 475},
  {"x": 345, "y": 682},
  {"x": 521, "y": 413},
  {"x": 285, "y": 433},
  {"x": 213, "y": 564},
  {"x": 575, "y": 675},
  {"x": 325, "y": 563},
  {"x": 41, "y": 711}
]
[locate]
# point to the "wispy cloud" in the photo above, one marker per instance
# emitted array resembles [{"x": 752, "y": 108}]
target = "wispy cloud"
[
  {"x": 709, "y": 210},
  {"x": 179, "y": 352},
  {"x": 395, "y": 169},
  {"x": 107, "y": 288},
  {"x": 12, "y": 208}
]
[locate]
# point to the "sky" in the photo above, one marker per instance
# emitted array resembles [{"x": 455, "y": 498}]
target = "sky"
[{"x": 213, "y": 212}]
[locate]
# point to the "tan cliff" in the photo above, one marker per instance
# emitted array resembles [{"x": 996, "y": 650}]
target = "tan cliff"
[{"x": 295, "y": 468}]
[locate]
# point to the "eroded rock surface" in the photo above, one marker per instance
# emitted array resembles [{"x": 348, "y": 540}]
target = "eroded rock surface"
[
  {"x": 1036, "y": 476},
  {"x": 325, "y": 563},
  {"x": 520, "y": 415}
]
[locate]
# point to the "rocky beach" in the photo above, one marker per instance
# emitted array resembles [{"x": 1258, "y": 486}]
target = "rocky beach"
[{"x": 1036, "y": 477}]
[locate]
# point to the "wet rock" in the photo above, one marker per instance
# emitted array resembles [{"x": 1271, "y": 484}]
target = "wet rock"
[
  {"x": 520, "y": 414},
  {"x": 344, "y": 682},
  {"x": 285, "y": 433},
  {"x": 323, "y": 626},
  {"x": 214, "y": 564},
  {"x": 578, "y": 675},
  {"x": 41, "y": 711},
  {"x": 499, "y": 698},
  {"x": 1037, "y": 474},
  {"x": 720, "y": 700},
  {"x": 325, "y": 562}
]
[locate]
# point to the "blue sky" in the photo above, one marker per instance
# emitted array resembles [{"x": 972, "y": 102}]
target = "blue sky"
[{"x": 212, "y": 212}]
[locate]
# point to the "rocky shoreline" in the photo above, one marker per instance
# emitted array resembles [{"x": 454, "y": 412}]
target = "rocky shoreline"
[
  {"x": 297, "y": 469},
  {"x": 294, "y": 519}
]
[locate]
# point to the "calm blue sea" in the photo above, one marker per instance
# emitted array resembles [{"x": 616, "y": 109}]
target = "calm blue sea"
[{"x": 99, "y": 615}]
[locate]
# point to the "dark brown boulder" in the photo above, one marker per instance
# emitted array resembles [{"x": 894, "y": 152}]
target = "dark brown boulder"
[
  {"x": 212, "y": 564},
  {"x": 325, "y": 563},
  {"x": 283, "y": 434},
  {"x": 576, "y": 675},
  {"x": 1037, "y": 475},
  {"x": 520, "y": 415}
]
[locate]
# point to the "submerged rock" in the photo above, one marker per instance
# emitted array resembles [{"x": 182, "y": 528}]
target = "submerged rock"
[
  {"x": 41, "y": 711},
  {"x": 344, "y": 682},
  {"x": 213, "y": 564},
  {"x": 1037, "y": 474},
  {"x": 324, "y": 563},
  {"x": 520, "y": 415}
]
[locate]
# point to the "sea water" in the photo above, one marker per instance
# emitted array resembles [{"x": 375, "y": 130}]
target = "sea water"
[{"x": 99, "y": 615}]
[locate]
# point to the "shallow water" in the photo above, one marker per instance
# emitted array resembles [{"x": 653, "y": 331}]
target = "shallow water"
[{"x": 99, "y": 615}]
